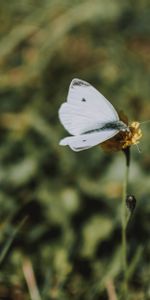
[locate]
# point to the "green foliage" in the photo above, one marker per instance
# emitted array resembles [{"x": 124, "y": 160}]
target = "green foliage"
[{"x": 69, "y": 202}]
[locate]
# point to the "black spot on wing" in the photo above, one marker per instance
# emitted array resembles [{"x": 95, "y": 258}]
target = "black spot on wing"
[
  {"x": 77, "y": 82},
  {"x": 83, "y": 140},
  {"x": 83, "y": 100}
]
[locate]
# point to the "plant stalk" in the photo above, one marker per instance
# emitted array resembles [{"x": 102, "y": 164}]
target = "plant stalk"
[{"x": 124, "y": 223}]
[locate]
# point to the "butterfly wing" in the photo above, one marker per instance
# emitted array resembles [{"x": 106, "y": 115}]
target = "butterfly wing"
[
  {"x": 85, "y": 109},
  {"x": 85, "y": 141}
]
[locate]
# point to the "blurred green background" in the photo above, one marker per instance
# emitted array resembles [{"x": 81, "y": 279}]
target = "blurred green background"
[{"x": 60, "y": 210}]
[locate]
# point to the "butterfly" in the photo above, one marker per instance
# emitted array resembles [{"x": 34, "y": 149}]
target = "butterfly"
[{"x": 88, "y": 116}]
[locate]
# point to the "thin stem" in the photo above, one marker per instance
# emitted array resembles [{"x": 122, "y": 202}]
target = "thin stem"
[
  {"x": 124, "y": 222},
  {"x": 30, "y": 280}
]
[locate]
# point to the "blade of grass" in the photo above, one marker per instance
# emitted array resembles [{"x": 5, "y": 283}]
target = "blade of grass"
[{"x": 11, "y": 239}]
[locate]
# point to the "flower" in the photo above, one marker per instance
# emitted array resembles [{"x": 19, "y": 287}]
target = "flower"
[{"x": 124, "y": 139}]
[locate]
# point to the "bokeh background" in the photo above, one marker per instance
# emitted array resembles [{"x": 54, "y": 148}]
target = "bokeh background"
[{"x": 60, "y": 210}]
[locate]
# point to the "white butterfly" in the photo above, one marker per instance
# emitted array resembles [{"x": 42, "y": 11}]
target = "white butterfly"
[{"x": 88, "y": 116}]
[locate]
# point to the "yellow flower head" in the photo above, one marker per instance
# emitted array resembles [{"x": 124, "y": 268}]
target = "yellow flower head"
[{"x": 124, "y": 139}]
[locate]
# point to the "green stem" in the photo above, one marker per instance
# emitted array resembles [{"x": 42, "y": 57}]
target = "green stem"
[{"x": 124, "y": 223}]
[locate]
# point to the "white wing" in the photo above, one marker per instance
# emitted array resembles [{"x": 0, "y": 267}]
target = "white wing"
[
  {"x": 85, "y": 141},
  {"x": 85, "y": 109}
]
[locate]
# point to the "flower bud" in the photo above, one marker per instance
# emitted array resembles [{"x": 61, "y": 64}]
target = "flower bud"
[{"x": 131, "y": 202}]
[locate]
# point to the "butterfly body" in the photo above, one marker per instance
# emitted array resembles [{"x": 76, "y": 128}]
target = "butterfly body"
[
  {"x": 118, "y": 125},
  {"x": 88, "y": 116}
]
